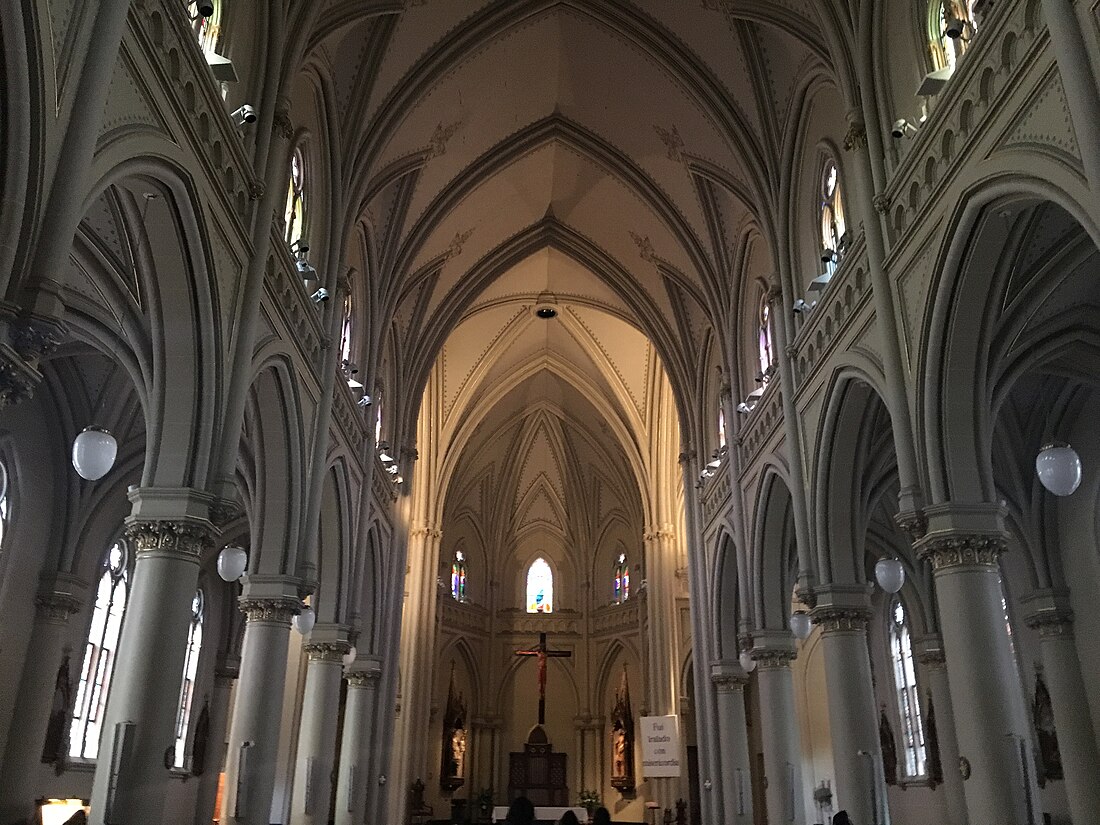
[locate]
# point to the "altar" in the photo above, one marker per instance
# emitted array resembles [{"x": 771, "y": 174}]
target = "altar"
[{"x": 542, "y": 815}]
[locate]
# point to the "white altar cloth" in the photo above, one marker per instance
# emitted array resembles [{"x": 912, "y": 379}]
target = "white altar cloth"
[{"x": 542, "y": 814}]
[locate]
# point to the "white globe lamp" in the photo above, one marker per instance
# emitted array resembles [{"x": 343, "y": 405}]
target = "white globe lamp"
[
  {"x": 748, "y": 664},
  {"x": 801, "y": 625},
  {"x": 94, "y": 453},
  {"x": 305, "y": 620},
  {"x": 232, "y": 562},
  {"x": 890, "y": 575},
  {"x": 1059, "y": 468}
]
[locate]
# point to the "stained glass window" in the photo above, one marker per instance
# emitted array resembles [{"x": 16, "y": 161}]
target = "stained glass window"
[
  {"x": 905, "y": 687},
  {"x": 540, "y": 587},
  {"x": 458, "y": 577},
  {"x": 764, "y": 340},
  {"x": 721, "y": 427},
  {"x": 190, "y": 670},
  {"x": 295, "y": 198},
  {"x": 622, "y": 579},
  {"x": 832, "y": 217},
  {"x": 345, "y": 331},
  {"x": 99, "y": 655}
]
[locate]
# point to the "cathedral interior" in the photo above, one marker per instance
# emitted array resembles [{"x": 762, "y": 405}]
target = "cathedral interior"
[{"x": 681, "y": 407}]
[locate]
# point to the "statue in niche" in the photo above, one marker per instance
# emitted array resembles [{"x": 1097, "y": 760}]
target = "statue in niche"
[
  {"x": 932, "y": 745},
  {"x": 1042, "y": 715},
  {"x": 889, "y": 748},
  {"x": 452, "y": 773},
  {"x": 55, "y": 750},
  {"x": 622, "y": 739}
]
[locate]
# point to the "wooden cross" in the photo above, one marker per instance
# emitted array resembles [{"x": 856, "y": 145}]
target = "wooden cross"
[{"x": 543, "y": 653}]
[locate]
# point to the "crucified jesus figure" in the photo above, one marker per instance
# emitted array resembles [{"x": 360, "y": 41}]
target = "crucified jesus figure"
[{"x": 542, "y": 652}]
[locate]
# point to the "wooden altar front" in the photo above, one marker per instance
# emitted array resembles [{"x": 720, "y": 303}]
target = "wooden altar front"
[{"x": 538, "y": 773}]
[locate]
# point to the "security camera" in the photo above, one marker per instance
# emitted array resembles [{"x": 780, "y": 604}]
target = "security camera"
[
  {"x": 801, "y": 306},
  {"x": 902, "y": 128},
  {"x": 365, "y": 401},
  {"x": 243, "y": 115},
  {"x": 320, "y": 296},
  {"x": 307, "y": 272},
  {"x": 955, "y": 28},
  {"x": 205, "y": 9},
  {"x": 300, "y": 247},
  {"x": 828, "y": 255},
  {"x": 744, "y": 408}
]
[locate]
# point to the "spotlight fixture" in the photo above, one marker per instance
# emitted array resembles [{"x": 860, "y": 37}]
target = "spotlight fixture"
[
  {"x": 744, "y": 408},
  {"x": 828, "y": 255},
  {"x": 365, "y": 401},
  {"x": 243, "y": 115},
  {"x": 320, "y": 296},
  {"x": 300, "y": 247},
  {"x": 546, "y": 313},
  {"x": 204, "y": 9},
  {"x": 902, "y": 128},
  {"x": 801, "y": 306},
  {"x": 955, "y": 28}
]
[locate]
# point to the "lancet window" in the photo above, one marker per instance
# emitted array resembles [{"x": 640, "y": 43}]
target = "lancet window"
[
  {"x": 540, "y": 587},
  {"x": 294, "y": 217},
  {"x": 621, "y": 582},
  {"x": 905, "y": 687},
  {"x": 190, "y": 671},
  {"x": 765, "y": 340},
  {"x": 458, "y": 577},
  {"x": 833, "y": 226}
]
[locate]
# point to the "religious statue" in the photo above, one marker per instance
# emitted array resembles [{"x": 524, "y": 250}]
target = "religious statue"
[
  {"x": 452, "y": 773},
  {"x": 1042, "y": 715},
  {"x": 889, "y": 749},
  {"x": 55, "y": 750},
  {"x": 622, "y": 739}
]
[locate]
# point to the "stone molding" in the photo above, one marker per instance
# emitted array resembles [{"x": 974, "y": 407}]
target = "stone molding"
[
  {"x": 56, "y": 607},
  {"x": 952, "y": 551},
  {"x": 1052, "y": 624},
  {"x": 773, "y": 659},
  {"x": 328, "y": 652},
  {"x": 184, "y": 537},
  {"x": 276, "y": 610},
  {"x": 841, "y": 619}
]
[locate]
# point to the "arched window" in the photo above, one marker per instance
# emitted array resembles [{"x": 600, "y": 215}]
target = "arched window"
[
  {"x": 99, "y": 654},
  {"x": 905, "y": 687},
  {"x": 208, "y": 30},
  {"x": 458, "y": 577},
  {"x": 190, "y": 669},
  {"x": 961, "y": 18},
  {"x": 833, "y": 239},
  {"x": 378, "y": 418},
  {"x": 345, "y": 331},
  {"x": 721, "y": 427},
  {"x": 622, "y": 579},
  {"x": 765, "y": 345},
  {"x": 295, "y": 198},
  {"x": 540, "y": 587}
]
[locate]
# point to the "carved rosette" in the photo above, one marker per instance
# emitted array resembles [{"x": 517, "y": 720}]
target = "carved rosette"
[
  {"x": 363, "y": 678},
  {"x": 271, "y": 610},
  {"x": 769, "y": 659},
  {"x": 1052, "y": 624},
  {"x": 841, "y": 619},
  {"x": 332, "y": 653},
  {"x": 55, "y": 608},
  {"x": 184, "y": 538},
  {"x": 967, "y": 550}
]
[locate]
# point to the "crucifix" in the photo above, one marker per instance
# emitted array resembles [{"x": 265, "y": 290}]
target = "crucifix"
[{"x": 543, "y": 653}]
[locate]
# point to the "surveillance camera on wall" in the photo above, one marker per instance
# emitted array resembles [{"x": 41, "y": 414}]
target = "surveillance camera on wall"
[
  {"x": 320, "y": 296},
  {"x": 205, "y": 9},
  {"x": 300, "y": 247},
  {"x": 306, "y": 272},
  {"x": 365, "y": 401},
  {"x": 902, "y": 128},
  {"x": 243, "y": 115}
]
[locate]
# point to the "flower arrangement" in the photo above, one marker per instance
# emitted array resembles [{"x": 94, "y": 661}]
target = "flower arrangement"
[{"x": 589, "y": 800}]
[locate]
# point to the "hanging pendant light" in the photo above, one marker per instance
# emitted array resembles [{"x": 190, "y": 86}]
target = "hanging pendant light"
[
  {"x": 801, "y": 625},
  {"x": 890, "y": 575},
  {"x": 748, "y": 664},
  {"x": 1059, "y": 468},
  {"x": 305, "y": 620},
  {"x": 349, "y": 657},
  {"x": 94, "y": 452},
  {"x": 232, "y": 562}
]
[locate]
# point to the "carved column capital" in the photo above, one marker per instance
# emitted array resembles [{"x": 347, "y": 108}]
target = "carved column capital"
[
  {"x": 933, "y": 659},
  {"x": 185, "y": 537},
  {"x": 881, "y": 203},
  {"x": 856, "y": 137},
  {"x": 833, "y": 619},
  {"x": 772, "y": 658},
  {"x": 332, "y": 652},
  {"x": 56, "y": 607},
  {"x": 1052, "y": 624},
  {"x": 272, "y": 610},
  {"x": 954, "y": 550},
  {"x": 282, "y": 125},
  {"x": 727, "y": 682},
  {"x": 363, "y": 678},
  {"x": 914, "y": 523}
]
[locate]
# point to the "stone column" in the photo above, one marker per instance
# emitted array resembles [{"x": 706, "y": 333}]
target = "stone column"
[
  {"x": 733, "y": 743},
  {"x": 963, "y": 545},
  {"x": 842, "y": 613},
  {"x": 357, "y": 745},
  {"x": 168, "y": 529},
  {"x": 326, "y": 648},
  {"x": 207, "y": 796},
  {"x": 269, "y": 603},
  {"x": 34, "y": 703},
  {"x": 773, "y": 653},
  {"x": 931, "y": 656},
  {"x": 1053, "y": 619}
]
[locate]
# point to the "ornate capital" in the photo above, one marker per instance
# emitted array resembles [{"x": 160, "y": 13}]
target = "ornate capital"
[
  {"x": 332, "y": 652},
  {"x": 914, "y": 523},
  {"x": 184, "y": 537},
  {"x": 933, "y": 659},
  {"x": 256, "y": 189},
  {"x": 223, "y": 511},
  {"x": 841, "y": 619},
  {"x": 729, "y": 682},
  {"x": 856, "y": 138},
  {"x": 56, "y": 607},
  {"x": 773, "y": 658},
  {"x": 950, "y": 551},
  {"x": 34, "y": 337},
  {"x": 881, "y": 203},
  {"x": 1052, "y": 624},
  {"x": 363, "y": 678},
  {"x": 273, "y": 610}
]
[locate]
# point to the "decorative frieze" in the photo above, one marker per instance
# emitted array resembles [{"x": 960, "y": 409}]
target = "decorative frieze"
[
  {"x": 185, "y": 537},
  {"x": 277, "y": 610},
  {"x": 841, "y": 619},
  {"x": 947, "y": 552}
]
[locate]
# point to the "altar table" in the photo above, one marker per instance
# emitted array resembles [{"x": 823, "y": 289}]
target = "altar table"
[{"x": 542, "y": 814}]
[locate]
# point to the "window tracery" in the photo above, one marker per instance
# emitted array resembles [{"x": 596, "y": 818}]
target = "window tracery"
[
  {"x": 905, "y": 688},
  {"x": 190, "y": 671},
  {"x": 458, "y": 577},
  {"x": 100, "y": 652},
  {"x": 294, "y": 216},
  {"x": 833, "y": 227},
  {"x": 621, "y": 581},
  {"x": 540, "y": 587}
]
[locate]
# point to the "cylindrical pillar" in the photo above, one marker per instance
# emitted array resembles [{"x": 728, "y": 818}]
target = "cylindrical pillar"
[
  {"x": 733, "y": 743},
  {"x": 317, "y": 732},
  {"x": 843, "y": 614},
  {"x": 1069, "y": 700},
  {"x": 207, "y": 796},
  {"x": 251, "y": 760},
  {"x": 35, "y": 718},
  {"x": 169, "y": 530},
  {"x": 357, "y": 743},
  {"x": 940, "y": 710},
  {"x": 779, "y": 730},
  {"x": 963, "y": 545}
]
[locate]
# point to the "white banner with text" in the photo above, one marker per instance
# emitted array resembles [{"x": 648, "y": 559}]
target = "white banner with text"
[{"x": 660, "y": 746}]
